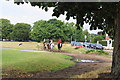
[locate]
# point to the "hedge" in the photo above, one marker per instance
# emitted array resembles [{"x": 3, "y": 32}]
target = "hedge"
[{"x": 104, "y": 43}]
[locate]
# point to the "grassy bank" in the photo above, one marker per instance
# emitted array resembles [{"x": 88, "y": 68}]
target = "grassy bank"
[
  {"x": 71, "y": 49},
  {"x": 31, "y": 61},
  {"x": 94, "y": 74},
  {"x": 98, "y": 52}
]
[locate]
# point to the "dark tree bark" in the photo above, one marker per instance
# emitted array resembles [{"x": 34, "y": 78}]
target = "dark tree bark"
[{"x": 116, "y": 52}]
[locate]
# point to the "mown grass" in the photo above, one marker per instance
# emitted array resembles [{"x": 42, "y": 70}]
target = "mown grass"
[
  {"x": 71, "y": 49},
  {"x": 31, "y": 61},
  {"x": 25, "y": 61},
  {"x": 25, "y": 45},
  {"x": 0, "y": 60},
  {"x": 33, "y": 46}
]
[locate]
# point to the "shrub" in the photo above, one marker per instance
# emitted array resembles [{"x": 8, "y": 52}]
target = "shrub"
[
  {"x": 76, "y": 47},
  {"x": 99, "y": 52},
  {"x": 89, "y": 51},
  {"x": 104, "y": 43}
]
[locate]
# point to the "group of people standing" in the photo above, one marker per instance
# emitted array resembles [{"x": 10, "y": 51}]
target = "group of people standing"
[{"x": 49, "y": 44}]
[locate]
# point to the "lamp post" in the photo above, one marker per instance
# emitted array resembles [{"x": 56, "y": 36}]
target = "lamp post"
[{"x": 85, "y": 38}]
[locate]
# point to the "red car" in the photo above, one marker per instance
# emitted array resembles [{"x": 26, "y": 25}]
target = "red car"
[{"x": 78, "y": 45}]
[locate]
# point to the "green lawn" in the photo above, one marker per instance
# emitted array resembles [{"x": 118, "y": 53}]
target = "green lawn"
[
  {"x": 71, "y": 49},
  {"x": 33, "y": 46},
  {"x": 33, "y": 61},
  {"x": 25, "y": 45}
]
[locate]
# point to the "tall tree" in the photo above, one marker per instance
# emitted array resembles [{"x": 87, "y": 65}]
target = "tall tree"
[
  {"x": 46, "y": 30},
  {"x": 116, "y": 51},
  {"x": 6, "y": 28},
  {"x": 38, "y": 31},
  {"x": 21, "y": 32},
  {"x": 102, "y": 15},
  {"x": 52, "y": 29}
]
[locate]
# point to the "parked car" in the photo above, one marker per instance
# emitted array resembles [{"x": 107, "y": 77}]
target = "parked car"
[
  {"x": 86, "y": 44},
  {"x": 99, "y": 46},
  {"x": 73, "y": 43},
  {"x": 92, "y": 45},
  {"x": 78, "y": 44}
]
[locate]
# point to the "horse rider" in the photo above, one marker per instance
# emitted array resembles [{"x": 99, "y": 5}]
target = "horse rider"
[{"x": 59, "y": 44}]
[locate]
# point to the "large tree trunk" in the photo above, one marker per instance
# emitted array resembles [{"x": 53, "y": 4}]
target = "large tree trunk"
[{"x": 116, "y": 51}]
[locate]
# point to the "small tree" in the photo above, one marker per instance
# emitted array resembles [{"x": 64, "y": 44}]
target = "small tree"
[{"x": 97, "y": 38}]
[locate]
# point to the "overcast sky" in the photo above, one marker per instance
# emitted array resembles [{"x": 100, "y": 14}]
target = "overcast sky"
[{"x": 25, "y": 13}]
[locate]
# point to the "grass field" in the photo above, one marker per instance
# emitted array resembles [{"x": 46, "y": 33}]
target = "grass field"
[
  {"x": 33, "y": 46},
  {"x": 31, "y": 61},
  {"x": 43, "y": 61},
  {"x": 25, "y": 46},
  {"x": 71, "y": 49}
]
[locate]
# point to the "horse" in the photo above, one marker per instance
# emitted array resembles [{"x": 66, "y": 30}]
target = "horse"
[
  {"x": 51, "y": 45},
  {"x": 48, "y": 45},
  {"x": 44, "y": 45},
  {"x": 59, "y": 46}
]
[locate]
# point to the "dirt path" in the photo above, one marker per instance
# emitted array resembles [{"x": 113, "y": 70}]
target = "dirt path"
[{"x": 77, "y": 69}]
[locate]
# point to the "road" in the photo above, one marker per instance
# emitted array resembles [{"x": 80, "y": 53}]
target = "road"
[{"x": 24, "y": 50}]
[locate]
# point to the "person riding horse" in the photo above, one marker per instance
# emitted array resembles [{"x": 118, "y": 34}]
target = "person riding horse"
[
  {"x": 59, "y": 44},
  {"x": 48, "y": 44},
  {"x": 45, "y": 44},
  {"x": 51, "y": 44}
]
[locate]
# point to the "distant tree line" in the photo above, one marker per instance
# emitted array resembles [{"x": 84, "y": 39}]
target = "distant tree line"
[
  {"x": 17, "y": 32},
  {"x": 51, "y": 29}
]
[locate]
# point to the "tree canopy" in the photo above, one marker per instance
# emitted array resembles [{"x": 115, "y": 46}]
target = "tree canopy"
[
  {"x": 6, "y": 28},
  {"x": 55, "y": 29},
  {"x": 51, "y": 29},
  {"x": 97, "y": 38},
  {"x": 21, "y": 32}
]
